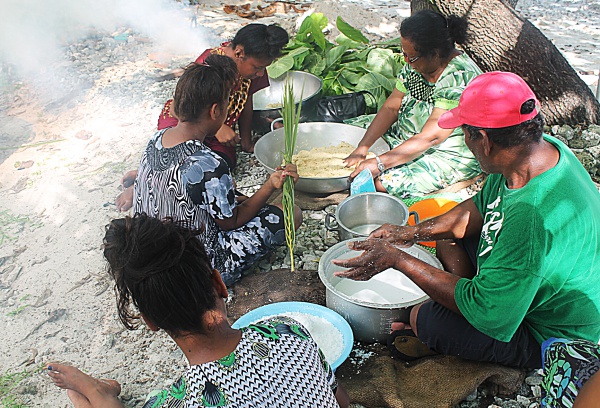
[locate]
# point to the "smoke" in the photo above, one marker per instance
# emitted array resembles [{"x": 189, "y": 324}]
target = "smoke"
[{"x": 34, "y": 33}]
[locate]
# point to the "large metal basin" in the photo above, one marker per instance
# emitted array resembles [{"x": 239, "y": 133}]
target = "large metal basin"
[
  {"x": 267, "y": 102},
  {"x": 371, "y": 322},
  {"x": 269, "y": 151}
]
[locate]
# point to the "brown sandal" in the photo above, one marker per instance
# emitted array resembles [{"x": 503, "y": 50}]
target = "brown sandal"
[{"x": 405, "y": 346}]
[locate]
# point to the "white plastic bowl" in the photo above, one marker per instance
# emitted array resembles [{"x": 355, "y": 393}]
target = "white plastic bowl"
[{"x": 281, "y": 308}]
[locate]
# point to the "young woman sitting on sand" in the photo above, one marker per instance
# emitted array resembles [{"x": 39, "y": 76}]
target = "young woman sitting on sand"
[
  {"x": 254, "y": 47},
  {"x": 161, "y": 270},
  {"x": 180, "y": 177}
]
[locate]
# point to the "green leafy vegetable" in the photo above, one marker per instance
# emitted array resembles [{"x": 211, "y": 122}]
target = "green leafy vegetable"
[
  {"x": 351, "y": 64},
  {"x": 350, "y": 32}
]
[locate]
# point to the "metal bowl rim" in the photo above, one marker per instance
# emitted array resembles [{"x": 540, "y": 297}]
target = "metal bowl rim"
[
  {"x": 304, "y": 99},
  {"x": 304, "y": 124},
  {"x": 375, "y": 194},
  {"x": 312, "y": 309},
  {"x": 361, "y": 195}
]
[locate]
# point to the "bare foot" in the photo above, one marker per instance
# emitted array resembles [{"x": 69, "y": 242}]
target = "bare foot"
[
  {"x": 124, "y": 200},
  {"x": 97, "y": 392},
  {"x": 248, "y": 147},
  {"x": 78, "y": 400},
  {"x": 400, "y": 326}
]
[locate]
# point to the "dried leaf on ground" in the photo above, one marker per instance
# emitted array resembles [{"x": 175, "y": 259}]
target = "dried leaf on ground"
[
  {"x": 281, "y": 7},
  {"x": 245, "y": 14},
  {"x": 19, "y": 165}
]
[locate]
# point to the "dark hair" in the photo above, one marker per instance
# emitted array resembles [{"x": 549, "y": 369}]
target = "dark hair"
[
  {"x": 432, "y": 33},
  {"x": 161, "y": 268},
  {"x": 261, "y": 41},
  {"x": 203, "y": 85},
  {"x": 524, "y": 133}
]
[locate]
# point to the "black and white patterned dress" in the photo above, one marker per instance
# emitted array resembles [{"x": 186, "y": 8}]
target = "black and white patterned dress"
[
  {"x": 276, "y": 365},
  {"x": 190, "y": 182}
]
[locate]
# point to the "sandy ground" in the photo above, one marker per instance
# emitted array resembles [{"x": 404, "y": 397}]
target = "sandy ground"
[{"x": 60, "y": 165}]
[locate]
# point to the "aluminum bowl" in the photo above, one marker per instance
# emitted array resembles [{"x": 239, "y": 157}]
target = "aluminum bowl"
[
  {"x": 370, "y": 322},
  {"x": 267, "y": 102},
  {"x": 269, "y": 151}
]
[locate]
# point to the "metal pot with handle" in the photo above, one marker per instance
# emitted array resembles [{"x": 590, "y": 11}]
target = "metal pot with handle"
[{"x": 359, "y": 215}]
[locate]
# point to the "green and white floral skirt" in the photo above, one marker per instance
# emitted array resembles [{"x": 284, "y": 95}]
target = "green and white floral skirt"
[
  {"x": 437, "y": 168},
  {"x": 568, "y": 364}
]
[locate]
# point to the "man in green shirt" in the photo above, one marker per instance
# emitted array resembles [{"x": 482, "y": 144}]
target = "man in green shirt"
[{"x": 521, "y": 258}]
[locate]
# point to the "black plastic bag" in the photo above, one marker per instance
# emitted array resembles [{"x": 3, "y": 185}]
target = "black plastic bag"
[{"x": 340, "y": 107}]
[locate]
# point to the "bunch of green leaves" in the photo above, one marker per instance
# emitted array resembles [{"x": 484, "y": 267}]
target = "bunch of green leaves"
[
  {"x": 290, "y": 113},
  {"x": 351, "y": 64}
]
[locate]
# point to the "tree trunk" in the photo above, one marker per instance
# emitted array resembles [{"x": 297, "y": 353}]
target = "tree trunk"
[
  {"x": 418, "y": 5},
  {"x": 500, "y": 40}
]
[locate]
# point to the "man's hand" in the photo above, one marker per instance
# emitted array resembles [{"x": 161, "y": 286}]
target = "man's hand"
[
  {"x": 399, "y": 235},
  {"x": 378, "y": 256},
  {"x": 227, "y": 136}
]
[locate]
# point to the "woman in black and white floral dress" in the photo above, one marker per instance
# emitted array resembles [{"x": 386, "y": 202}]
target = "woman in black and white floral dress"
[{"x": 182, "y": 178}]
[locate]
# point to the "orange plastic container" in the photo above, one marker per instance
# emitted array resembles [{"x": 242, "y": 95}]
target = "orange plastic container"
[{"x": 429, "y": 208}]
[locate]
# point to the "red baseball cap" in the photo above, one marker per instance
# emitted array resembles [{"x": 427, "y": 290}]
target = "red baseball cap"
[{"x": 492, "y": 100}]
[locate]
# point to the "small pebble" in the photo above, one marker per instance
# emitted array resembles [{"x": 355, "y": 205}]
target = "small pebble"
[
  {"x": 472, "y": 396},
  {"x": 534, "y": 380},
  {"x": 524, "y": 401}
]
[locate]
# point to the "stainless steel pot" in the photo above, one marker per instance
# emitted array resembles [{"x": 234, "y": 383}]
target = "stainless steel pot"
[
  {"x": 360, "y": 214},
  {"x": 370, "y": 322},
  {"x": 267, "y": 101},
  {"x": 269, "y": 151}
]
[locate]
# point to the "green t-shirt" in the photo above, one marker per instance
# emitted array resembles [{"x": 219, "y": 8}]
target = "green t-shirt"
[{"x": 539, "y": 256}]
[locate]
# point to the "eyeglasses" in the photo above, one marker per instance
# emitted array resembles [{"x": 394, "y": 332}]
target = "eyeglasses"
[{"x": 410, "y": 60}]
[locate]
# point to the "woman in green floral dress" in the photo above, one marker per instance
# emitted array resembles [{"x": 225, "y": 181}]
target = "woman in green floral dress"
[{"x": 423, "y": 157}]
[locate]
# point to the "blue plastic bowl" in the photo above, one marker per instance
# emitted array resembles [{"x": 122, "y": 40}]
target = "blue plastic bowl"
[{"x": 281, "y": 308}]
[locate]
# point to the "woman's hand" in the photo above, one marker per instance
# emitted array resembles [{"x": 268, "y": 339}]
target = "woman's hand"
[
  {"x": 128, "y": 178},
  {"x": 279, "y": 175},
  {"x": 358, "y": 155},
  {"x": 370, "y": 164},
  {"x": 227, "y": 136}
]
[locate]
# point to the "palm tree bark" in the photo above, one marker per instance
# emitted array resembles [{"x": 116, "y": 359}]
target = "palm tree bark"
[{"x": 500, "y": 40}]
